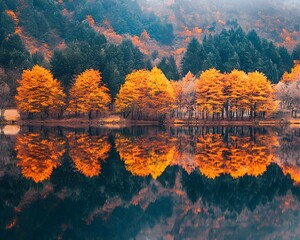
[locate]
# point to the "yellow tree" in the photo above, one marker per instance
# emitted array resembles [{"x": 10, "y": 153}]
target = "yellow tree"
[
  {"x": 146, "y": 95},
  {"x": 260, "y": 94},
  {"x": 161, "y": 98},
  {"x": 209, "y": 92},
  {"x": 132, "y": 94},
  {"x": 39, "y": 92},
  {"x": 236, "y": 92},
  {"x": 89, "y": 94}
]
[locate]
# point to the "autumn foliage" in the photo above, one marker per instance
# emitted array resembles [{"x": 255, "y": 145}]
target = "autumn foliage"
[
  {"x": 146, "y": 95},
  {"x": 234, "y": 95},
  {"x": 146, "y": 155},
  {"x": 149, "y": 95},
  {"x": 87, "y": 152},
  {"x": 89, "y": 93},
  {"x": 39, "y": 92},
  {"x": 39, "y": 156},
  {"x": 287, "y": 91}
]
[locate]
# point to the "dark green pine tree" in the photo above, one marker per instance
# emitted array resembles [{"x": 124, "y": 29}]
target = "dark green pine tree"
[
  {"x": 208, "y": 43},
  {"x": 255, "y": 40},
  {"x": 226, "y": 50},
  {"x": 193, "y": 58},
  {"x": 59, "y": 66},
  {"x": 169, "y": 68},
  {"x": 113, "y": 78},
  {"x": 13, "y": 54},
  {"x": 272, "y": 53},
  {"x": 296, "y": 52},
  {"x": 286, "y": 60},
  {"x": 232, "y": 63}
]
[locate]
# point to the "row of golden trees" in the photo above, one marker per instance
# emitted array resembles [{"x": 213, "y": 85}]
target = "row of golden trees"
[
  {"x": 149, "y": 95},
  {"x": 213, "y": 153},
  {"x": 40, "y": 93}
]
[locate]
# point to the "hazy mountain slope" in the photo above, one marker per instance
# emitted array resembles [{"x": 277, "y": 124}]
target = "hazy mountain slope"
[{"x": 275, "y": 20}]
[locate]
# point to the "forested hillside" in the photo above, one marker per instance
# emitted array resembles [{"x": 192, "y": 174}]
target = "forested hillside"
[
  {"x": 119, "y": 36},
  {"x": 234, "y": 49}
]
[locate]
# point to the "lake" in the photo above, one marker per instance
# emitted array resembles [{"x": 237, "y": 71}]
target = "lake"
[{"x": 150, "y": 183}]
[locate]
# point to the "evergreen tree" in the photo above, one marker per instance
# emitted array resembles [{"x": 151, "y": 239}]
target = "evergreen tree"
[
  {"x": 169, "y": 68},
  {"x": 296, "y": 52},
  {"x": 193, "y": 58}
]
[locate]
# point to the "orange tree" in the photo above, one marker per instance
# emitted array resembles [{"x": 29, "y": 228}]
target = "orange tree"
[
  {"x": 88, "y": 94},
  {"x": 146, "y": 95},
  {"x": 209, "y": 92},
  {"x": 260, "y": 95},
  {"x": 39, "y": 92}
]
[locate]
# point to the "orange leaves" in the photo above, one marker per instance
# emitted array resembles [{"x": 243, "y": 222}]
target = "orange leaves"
[
  {"x": 145, "y": 36},
  {"x": 237, "y": 92},
  {"x": 146, "y": 155},
  {"x": 90, "y": 20},
  {"x": 131, "y": 96},
  {"x": 209, "y": 91},
  {"x": 261, "y": 92},
  {"x": 147, "y": 92},
  {"x": 88, "y": 93},
  {"x": 38, "y": 156},
  {"x": 39, "y": 92},
  {"x": 237, "y": 157},
  {"x": 87, "y": 152},
  {"x": 161, "y": 95},
  {"x": 13, "y": 16},
  {"x": 293, "y": 76}
]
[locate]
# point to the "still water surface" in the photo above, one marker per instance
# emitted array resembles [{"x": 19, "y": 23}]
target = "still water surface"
[{"x": 150, "y": 183}]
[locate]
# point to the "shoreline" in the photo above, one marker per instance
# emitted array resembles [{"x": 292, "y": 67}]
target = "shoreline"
[{"x": 127, "y": 123}]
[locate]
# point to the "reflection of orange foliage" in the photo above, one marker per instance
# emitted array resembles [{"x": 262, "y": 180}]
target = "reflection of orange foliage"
[
  {"x": 38, "y": 156},
  {"x": 185, "y": 154},
  {"x": 87, "y": 152},
  {"x": 294, "y": 172},
  {"x": 13, "y": 16},
  {"x": 147, "y": 155},
  {"x": 238, "y": 157}
]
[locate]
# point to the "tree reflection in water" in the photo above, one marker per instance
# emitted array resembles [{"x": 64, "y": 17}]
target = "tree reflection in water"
[
  {"x": 39, "y": 155},
  {"x": 87, "y": 152},
  {"x": 155, "y": 183}
]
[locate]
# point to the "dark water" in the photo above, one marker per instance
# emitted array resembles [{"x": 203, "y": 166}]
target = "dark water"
[{"x": 150, "y": 183}]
